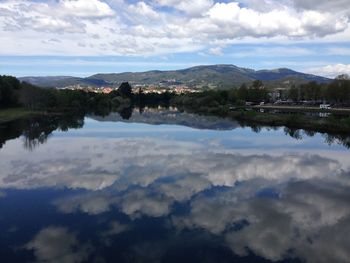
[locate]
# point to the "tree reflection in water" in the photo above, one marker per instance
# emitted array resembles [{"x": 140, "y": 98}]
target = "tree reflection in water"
[
  {"x": 37, "y": 130},
  {"x": 214, "y": 192}
]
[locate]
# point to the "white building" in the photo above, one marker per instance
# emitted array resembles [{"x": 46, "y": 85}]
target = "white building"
[{"x": 325, "y": 106}]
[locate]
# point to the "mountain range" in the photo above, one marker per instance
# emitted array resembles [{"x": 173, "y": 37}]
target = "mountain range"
[
  {"x": 172, "y": 117},
  {"x": 220, "y": 76}
]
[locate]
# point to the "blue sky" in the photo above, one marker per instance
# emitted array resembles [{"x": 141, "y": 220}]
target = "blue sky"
[{"x": 83, "y": 37}]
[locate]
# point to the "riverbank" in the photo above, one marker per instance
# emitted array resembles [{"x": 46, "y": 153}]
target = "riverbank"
[
  {"x": 302, "y": 109},
  {"x": 11, "y": 114},
  {"x": 292, "y": 117},
  {"x": 330, "y": 124}
]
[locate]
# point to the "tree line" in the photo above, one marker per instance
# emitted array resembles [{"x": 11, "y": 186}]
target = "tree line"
[
  {"x": 337, "y": 92},
  {"x": 16, "y": 93}
]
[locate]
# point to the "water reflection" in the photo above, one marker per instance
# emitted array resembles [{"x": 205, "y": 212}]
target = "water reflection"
[
  {"x": 171, "y": 115},
  {"x": 133, "y": 192},
  {"x": 294, "y": 220},
  {"x": 57, "y": 244},
  {"x": 35, "y": 131}
]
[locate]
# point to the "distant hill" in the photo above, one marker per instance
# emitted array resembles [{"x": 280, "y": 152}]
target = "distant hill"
[
  {"x": 221, "y": 76},
  {"x": 62, "y": 81},
  {"x": 172, "y": 117}
]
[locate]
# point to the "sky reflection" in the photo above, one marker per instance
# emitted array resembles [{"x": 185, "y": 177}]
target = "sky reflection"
[{"x": 118, "y": 191}]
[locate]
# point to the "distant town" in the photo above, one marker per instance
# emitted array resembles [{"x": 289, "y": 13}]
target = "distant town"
[{"x": 137, "y": 88}]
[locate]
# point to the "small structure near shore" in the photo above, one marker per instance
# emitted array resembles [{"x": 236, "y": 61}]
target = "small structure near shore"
[{"x": 325, "y": 106}]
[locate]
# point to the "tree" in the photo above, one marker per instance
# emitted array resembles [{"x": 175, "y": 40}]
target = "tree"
[
  {"x": 343, "y": 77},
  {"x": 232, "y": 96},
  {"x": 125, "y": 90},
  {"x": 242, "y": 93},
  {"x": 257, "y": 84},
  {"x": 293, "y": 93}
]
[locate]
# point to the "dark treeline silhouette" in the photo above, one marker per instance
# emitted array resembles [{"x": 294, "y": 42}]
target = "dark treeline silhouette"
[
  {"x": 295, "y": 131},
  {"x": 9, "y": 91},
  {"x": 14, "y": 93},
  {"x": 223, "y": 103},
  {"x": 36, "y": 130},
  {"x": 217, "y": 101},
  {"x": 337, "y": 92},
  {"x": 232, "y": 104}
]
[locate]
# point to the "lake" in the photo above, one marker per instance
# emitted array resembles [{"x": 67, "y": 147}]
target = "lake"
[{"x": 166, "y": 186}]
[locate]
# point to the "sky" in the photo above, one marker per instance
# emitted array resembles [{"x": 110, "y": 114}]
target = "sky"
[{"x": 84, "y": 37}]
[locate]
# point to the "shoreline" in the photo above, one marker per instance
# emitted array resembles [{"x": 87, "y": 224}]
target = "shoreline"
[
  {"x": 333, "y": 124},
  {"x": 328, "y": 125},
  {"x": 301, "y": 108},
  {"x": 12, "y": 114},
  {"x": 337, "y": 124}
]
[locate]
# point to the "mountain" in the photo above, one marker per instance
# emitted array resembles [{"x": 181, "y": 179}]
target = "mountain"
[
  {"x": 63, "y": 81},
  {"x": 171, "y": 117},
  {"x": 221, "y": 76}
]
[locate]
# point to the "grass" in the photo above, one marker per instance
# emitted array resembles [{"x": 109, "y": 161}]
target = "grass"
[{"x": 11, "y": 114}]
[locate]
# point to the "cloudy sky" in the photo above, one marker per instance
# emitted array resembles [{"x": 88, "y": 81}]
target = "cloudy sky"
[{"x": 82, "y": 37}]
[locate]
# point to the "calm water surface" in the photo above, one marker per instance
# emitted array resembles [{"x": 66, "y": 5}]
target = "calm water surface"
[{"x": 171, "y": 187}]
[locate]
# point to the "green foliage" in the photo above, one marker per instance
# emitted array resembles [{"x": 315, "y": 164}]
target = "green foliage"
[
  {"x": 257, "y": 84},
  {"x": 9, "y": 87},
  {"x": 36, "y": 129},
  {"x": 219, "y": 101},
  {"x": 256, "y": 93},
  {"x": 125, "y": 90},
  {"x": 338, "y": 91},
  {"x": 15, "y": 93},
  {"x": 294, "y": 93}
]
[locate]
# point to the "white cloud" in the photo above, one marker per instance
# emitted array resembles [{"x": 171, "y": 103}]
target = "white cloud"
[
  {"x": 86, "y": 8},
  {"x": 298, "y": 222},
  {"x": 264, "y": 5},
  {"x": 293, "y": 202},
  {"x": 340, "y": 51},
  {"x": 116, "y": 228},
  {"x": 331, "y": 70},
  {"x": 141, "y": 202},
  {"x": 191, "y": 7},
  {"x": 56, "y": 244},
  {"x": 147, "y": 28},
  {"x": 92, "y": 203},
  {"x": 273, "y": 51},
  {"x": 326, "y": 5},
  {"x": 234, "y": 21},
  {"x": 217, "y": 51},
  {"x": 99, "y": 170},
  {"x": 143, "y": 10}
]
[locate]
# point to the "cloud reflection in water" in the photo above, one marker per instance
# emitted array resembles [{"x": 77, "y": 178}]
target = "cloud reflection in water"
[{"x": 273, "y": 203}]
